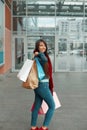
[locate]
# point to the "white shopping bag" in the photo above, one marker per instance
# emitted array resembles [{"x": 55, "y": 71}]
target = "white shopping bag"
[
  {"x": 56, "y": 100},
  {"x": 24, "y": 71},
  {"x": 44, "y": 106}
]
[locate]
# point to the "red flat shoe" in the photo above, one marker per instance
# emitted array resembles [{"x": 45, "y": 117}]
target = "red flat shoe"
[
  {"x": 43, "y": 129},
  {"x": 35, "y": 128}
]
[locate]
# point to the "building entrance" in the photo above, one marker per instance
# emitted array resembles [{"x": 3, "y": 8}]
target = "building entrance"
[
  {"x": 63, "y": 57},
  {"x": 62, "y": 24},
  {"x": 70, "y": 45}
]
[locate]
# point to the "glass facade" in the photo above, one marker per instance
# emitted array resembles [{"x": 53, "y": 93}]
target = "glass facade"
[{"x": 63, "y": 24}]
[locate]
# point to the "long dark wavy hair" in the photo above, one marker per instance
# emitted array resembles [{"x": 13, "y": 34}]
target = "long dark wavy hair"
[{"x": 46, "y": 65}]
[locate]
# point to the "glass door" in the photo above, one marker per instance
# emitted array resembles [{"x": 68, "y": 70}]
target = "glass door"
[
  {"x": 19, "y": 51},
  {"x": 61, "y": 54},
  {"x": 69, "y": 45},
  {"x": 71, "y": 38}
]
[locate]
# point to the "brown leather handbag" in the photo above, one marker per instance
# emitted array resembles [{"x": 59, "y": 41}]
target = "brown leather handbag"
[{"x": 32, "y": 80}]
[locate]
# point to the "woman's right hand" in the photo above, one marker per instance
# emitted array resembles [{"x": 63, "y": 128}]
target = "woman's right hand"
[{"x": 36, "y": 53}]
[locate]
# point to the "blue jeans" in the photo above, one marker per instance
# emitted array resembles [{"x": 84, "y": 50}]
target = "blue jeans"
[{"x": 43, "y": 92}]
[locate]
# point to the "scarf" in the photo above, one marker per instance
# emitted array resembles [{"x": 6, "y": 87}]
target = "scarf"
[{"x": 51, "y": 84}]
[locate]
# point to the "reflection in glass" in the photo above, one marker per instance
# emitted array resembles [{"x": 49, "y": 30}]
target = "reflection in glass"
[
  {"x": 19, "y": 52},
  {"x": 19, "y": 7},
  {"x": 19, "y": 24}
]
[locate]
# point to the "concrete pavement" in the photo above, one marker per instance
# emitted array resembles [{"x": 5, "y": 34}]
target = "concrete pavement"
[{"x": 15, "y": 103}]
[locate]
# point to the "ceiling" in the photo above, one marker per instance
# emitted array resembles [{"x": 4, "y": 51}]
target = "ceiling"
[{"x": 72, "y": 8}]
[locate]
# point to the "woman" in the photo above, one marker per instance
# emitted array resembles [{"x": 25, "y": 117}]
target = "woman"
[{"x": 45, "y": 88}]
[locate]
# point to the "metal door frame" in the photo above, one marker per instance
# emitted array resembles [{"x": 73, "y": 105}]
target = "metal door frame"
[{"x": 13, "y": 50}]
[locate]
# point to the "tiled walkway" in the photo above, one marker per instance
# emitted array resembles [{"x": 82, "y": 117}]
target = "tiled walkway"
[{"x": 15, "y": 103}]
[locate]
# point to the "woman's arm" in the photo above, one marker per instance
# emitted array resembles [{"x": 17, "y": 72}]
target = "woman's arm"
[{"x": 41, "y": 57}]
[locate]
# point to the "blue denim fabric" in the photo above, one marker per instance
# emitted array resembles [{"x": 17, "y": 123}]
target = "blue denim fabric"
[{"x": 43, "y": 92}]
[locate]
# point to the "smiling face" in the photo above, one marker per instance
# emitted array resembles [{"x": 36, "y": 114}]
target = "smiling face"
[{"x": 42, "y": 47}]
